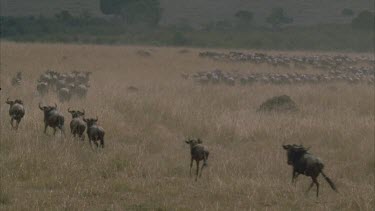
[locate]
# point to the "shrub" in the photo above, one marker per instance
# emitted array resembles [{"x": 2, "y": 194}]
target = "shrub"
[
  {"x": 364, "y": 20},
  {"x": 133, "y": 11},
  {"x": 180, "y": 39},
  {"x": 278, "y": 17},
  {"x": 244, "y": 17},
  {"x": 347, "y": 12}
]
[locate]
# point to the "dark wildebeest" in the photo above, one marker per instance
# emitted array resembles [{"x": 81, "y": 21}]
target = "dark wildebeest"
[
  {"x": 52, "y": 118},
  {"x": 306, "y": 164},
  {"x": 198, "y": 152},
  {"x": 16, "y": 111},
  {"x": 94, "y": 132},
  {"x": 77, "y": 125}
]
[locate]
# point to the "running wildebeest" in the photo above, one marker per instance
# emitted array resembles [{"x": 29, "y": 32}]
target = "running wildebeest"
[
  {"x": 16, "y": 111},
  {"x": 77, "y": 125},
  {"x": 198, "y": 152},
  {"x": 94, "y": 132},
  {"x": 52, "y": 118},
  {"x": 306, "y": 164}
]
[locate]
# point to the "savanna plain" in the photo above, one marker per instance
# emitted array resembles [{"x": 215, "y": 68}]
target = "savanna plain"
[{"x": 145, "y": 163}]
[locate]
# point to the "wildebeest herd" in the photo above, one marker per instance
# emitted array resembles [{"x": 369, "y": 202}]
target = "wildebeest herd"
[
  {"x": 332, "y": 69},
  {"x": 65, "y": 85},
  {"x": 68, "y": 85},
  {"x": 217, "y": 76}
]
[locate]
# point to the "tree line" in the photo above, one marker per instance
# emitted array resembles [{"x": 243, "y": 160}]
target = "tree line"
[{"x": 150, "y": 12}]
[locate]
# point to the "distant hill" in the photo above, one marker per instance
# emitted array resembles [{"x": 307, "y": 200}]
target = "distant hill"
[{"x": 198, "y": 12}]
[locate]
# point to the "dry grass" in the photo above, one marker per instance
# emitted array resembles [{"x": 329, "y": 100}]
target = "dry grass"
[{"x": 145, "y": 163}]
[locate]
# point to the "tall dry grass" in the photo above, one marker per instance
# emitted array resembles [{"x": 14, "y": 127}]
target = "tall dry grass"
[{"x": 145, "y": 163}]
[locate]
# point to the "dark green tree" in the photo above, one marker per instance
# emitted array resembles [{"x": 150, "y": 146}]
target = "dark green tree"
[
  {"x": 278, "y": 17},
  {"x": 133, "y": 11},
  {"x": 245, "y": 17},
  {"x": 112, "y": 7},
  {"x": 365, "y": 20},
  {"x": 347, "y": 12}
]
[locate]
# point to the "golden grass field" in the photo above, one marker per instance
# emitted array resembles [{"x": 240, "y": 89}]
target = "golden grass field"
[{"x": 145, "y": 165}]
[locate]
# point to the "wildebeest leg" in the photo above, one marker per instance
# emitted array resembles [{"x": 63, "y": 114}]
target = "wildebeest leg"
[
  {"x": 204, "y": 164},
  {"x": 317, "y": 186},
  {"x": 312, "y": 183},
  {"x": 191, "y": 165},
  {"x": 11, "y": 122},
  {"x": 90, "y": 142},
  {"x": 196, "y": 174},
  {"x": 45, "y": 127},
  {"x": 102, "y": 142},
  {"x": 96, "y": 143},
  {"x": 18, "y": 123},
  {"x": 294, "y": 176},
  {"x": 200, "y": 174},
  {"x": 62, "y": 130}
]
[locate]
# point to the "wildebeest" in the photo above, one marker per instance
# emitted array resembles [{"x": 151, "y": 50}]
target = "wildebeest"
[
  {"x": 81, "y": 90},
  {"x": 42, "y": 88},
  {"x": 52, "y": 118},
  {"x": 16, "y": 111},
  {"x": 198, "y": 152},
  {"x": 306, "y": 164},
  {"x": 16, "y": 80},
  {"x": 94, "y": 132},
  {"x": 64, "y": 94},
  {"x": 77, "y": 125}
]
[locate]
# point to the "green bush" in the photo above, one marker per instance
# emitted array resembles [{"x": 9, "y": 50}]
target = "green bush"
[
  {"x": 347, "y": 12},
  {"x": 278, "y": 17},
  {"x": 133, "y": 11},
  {"x": 180, "y": 39},
  {"x": 364, "y": 21}
]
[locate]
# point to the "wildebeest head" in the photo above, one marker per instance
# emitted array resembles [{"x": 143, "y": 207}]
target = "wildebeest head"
[
  {"x": 12, "y": 102},
  {"x": 294, "y": 152},
  {"x": 90, "y": 121},
  {"x": 192, "y": 142},
  {"x": 76, "y": 114},
  {"x": 47, "y": 109}
]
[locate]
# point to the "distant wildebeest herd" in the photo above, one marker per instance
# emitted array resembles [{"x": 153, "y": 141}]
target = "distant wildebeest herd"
[
  {"x": 362, "y": 76},
  {"x": 332, "y": 69},
  {"x": 326, "y": 62},
  {"x": 65, "y": 85}
]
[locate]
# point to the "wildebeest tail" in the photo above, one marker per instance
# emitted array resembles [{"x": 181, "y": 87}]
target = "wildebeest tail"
[{"x": 333, "y": 186}]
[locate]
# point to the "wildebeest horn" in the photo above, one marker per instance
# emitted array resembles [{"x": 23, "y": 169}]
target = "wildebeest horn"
[
  {"x": 83, "y": 111},
  {"x": 40, "y": 107},
  {"x": 55, "y": 105},
  {"x": 7, "y": 99},
  {"x": 69, "y": 110}
]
